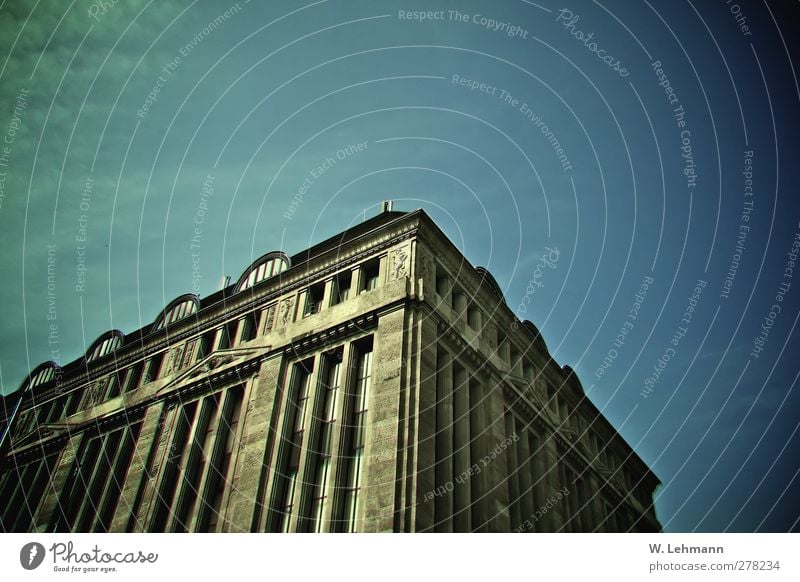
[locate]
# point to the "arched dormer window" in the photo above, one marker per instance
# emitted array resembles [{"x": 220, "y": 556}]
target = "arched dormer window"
[
  {"x": 104, "y": 345},
  {"x": 42, "y": 374},
  {"x": 488, "y": 280},
  {"x": 537, "y": 336},
  {"x": 269, "y": 265},
  {"x": 181, "y": 307}
]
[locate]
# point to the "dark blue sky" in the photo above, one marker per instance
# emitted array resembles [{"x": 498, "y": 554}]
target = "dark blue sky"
[{"x": 648, "y": 143}]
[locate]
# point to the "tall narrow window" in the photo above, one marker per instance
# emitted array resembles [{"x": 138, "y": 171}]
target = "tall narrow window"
[
  {"x": 291, "y": 445},
  {"x": 173, "y": 463},
  {"x": 341, "y": 288},
  {"x": 220, "y": 468},
  {"x": 474, "y": 317},
  {"x": 228, "y": 335},
  {"x": 199, "y": 453},
  {"x": 249, "y": 326},
  {"x": 73, "y": 401},
  {"x": 578, "y": 501},
  {"x": 114, "y": 386},
  {"x": 370, "y": 274},
  {"x": 319, "y": 451},
  {"x": 153, "y": 367},
  {"x": 354, "y": 428},
  {"x": 442, "y": 284},
  {"x": 206, "y": 344},
  {"x": 314, "y": 297},
  {"x": 134, "y": 376}
]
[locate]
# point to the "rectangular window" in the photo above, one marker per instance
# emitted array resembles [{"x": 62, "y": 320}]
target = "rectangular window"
[
  {"x": 114, "y": 386},
  {"x": 503, "y": 348},
  {"x": 249, "y": 326},
  {"x": 134, "y": 376},
  {"x": 370, "y": 274},
  {"x": 228, "y": 335},
  {"x": 90, "y": 498},
  {"x": 474, "y": 317},
  {"x": 515, "y": 361},
  {"x": 319, "y": 452},
  {"x": 206, "y": 344},
  {"x": 73, "y": 401},
  {"x": 54, "y": 408},
  {"x": 551, "y": 398},
  {"x": 563, "y": 411},
  {"x": 44, "y": 411},
  {"x": 291, "y": 446},
  {"x": 152, "y": 368},
  {"x": 341, "y": 288},
  {"x": 442, "y": 284},
  {"x": 314, "y": 296},
  {"x": 354, "y": 427}
]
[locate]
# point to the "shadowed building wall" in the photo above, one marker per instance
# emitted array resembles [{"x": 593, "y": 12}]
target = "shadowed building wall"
[{"x": 374, "y": 382}]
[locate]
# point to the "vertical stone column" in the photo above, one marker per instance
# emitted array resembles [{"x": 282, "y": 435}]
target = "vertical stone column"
[
  {"x": 327, "y": 293},
  {"x": 355, "y": 281},
  {"x": 275, "y": 384},
  {"x": 49, "y": 507},
  {"x": 302, "y": 303},
  {"x": 462, "y": 464},
  {"x": 443, "y": 519},
  {"x": 380, "y": 452},
  {"x": 460, "y": 305},
  {"x": 383, "y": 270}
]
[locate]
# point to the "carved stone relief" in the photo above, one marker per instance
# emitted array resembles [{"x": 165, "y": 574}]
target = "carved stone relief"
[
  {"x": 285, "y": 311},
  {"x": 398, "y": 263},
  {"x": 269, "y": 318}
]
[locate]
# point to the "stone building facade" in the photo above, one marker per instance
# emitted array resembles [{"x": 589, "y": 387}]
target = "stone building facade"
[{"x": 376, "y": 382}]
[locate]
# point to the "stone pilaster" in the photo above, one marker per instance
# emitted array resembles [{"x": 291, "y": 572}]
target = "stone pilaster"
[
  {"x": 444, "y": 444},
  {"x": 496, "y": 470},
  {"x": 261, "y": 435},
  {"x": 425, "y": 421},
  {"x": 462, "y": 463},
  {"x": 137, "y": 472},
  {"x": 380, "y": 462},
  {"x": 52, "y": 493}
]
